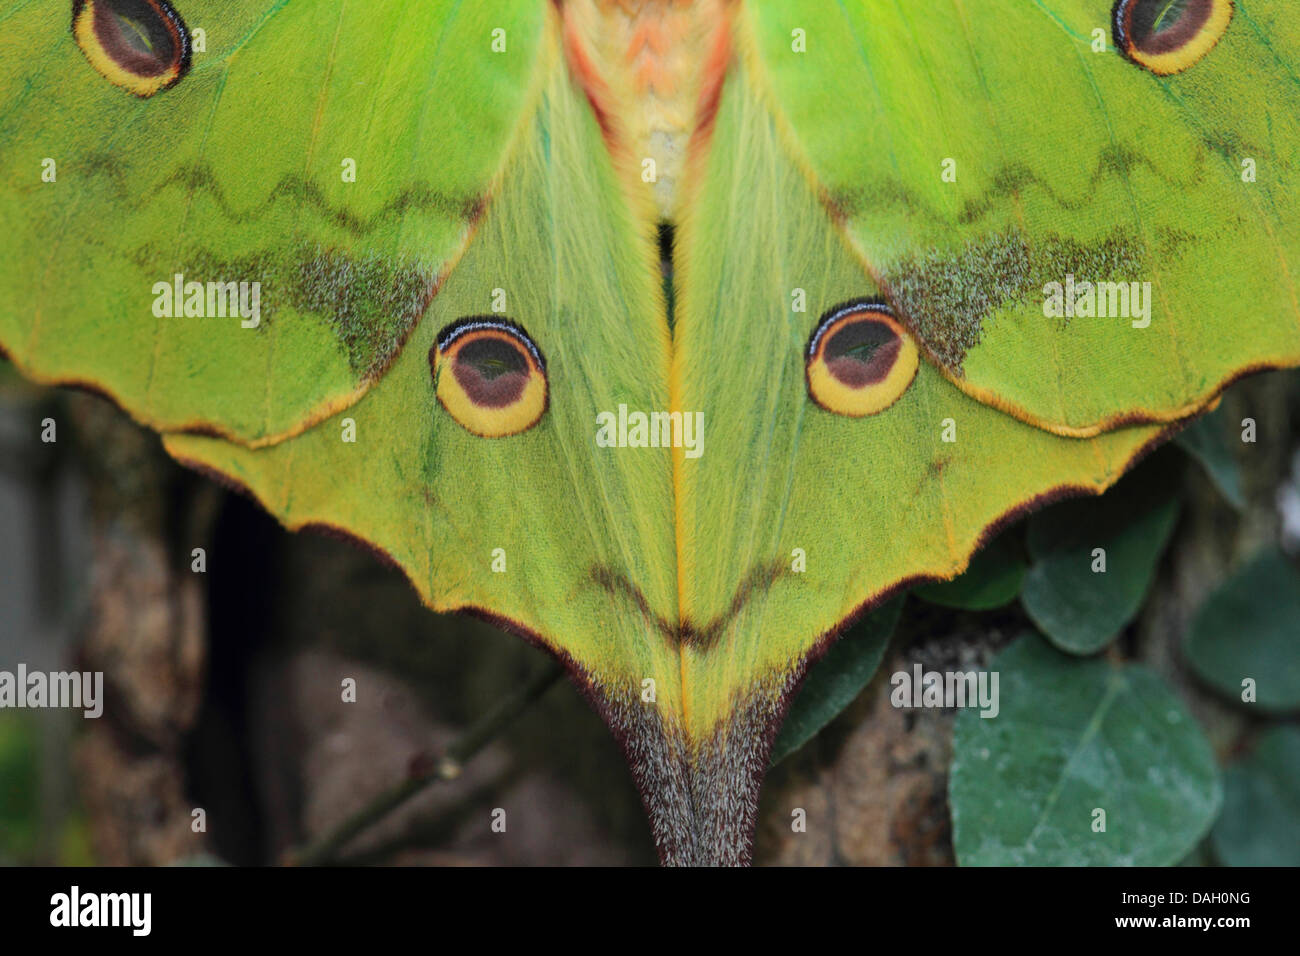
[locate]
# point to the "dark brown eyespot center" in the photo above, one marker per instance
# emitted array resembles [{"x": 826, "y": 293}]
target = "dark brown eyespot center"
[
  {"x": 1163, "y": 26},
  {"x": 492, "y": 371},
  {"x": 144, "y": 37},
  {"x": 861, "y": 352}
]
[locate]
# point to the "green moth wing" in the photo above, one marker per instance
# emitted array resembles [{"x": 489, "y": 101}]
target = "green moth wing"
[
  {"x": 939, "y": 168},
  {"x": 522, "y": 529},
  {"x": 864, "y": 379},
  {"x": 277, "y": 159},
  {"x": 820, "y": 206},
  {"x": 830, "y": 514},
  {"x": 997, "y": 149}
]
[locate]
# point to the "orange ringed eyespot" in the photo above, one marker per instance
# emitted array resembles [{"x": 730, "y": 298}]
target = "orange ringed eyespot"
[
  {"x": 1168, "y": 36},
  {"x": 489, "y": 375},
  {"x": 860, "y": 359},
  {"x": 142, "y": 46}
]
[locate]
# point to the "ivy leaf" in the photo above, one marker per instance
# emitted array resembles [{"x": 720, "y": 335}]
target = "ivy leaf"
[
  {"x": 992, "y": 580},
  {"x": 1072, "y": 738},
  {"x": 835, "y": 680},
  {"x": 1206, "y": 440},
  {"x": 1080, "y": 609},
  {"x": 1248, "y": 629},
  {"x": 1260, "y": 825}
]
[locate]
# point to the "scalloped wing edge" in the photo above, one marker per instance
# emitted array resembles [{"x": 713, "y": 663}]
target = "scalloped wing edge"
[
  {"x": 748, "y": 50},
  {"x": 670, "y": 769},
  {"x": 547, "y": 59}
]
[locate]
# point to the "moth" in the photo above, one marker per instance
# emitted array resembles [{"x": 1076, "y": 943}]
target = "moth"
[{"x": 828, "y": 234}]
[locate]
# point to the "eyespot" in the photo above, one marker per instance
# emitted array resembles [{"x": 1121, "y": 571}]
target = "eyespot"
[
  {"x": 141, "y": 45},
  {"x": 489, "y": 376},
  {"x": 860, "y": 359},
  {"x": 1168, "y": 36}
]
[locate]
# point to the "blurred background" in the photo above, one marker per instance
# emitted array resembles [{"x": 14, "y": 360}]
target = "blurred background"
[{"x": 223, "y": 693}]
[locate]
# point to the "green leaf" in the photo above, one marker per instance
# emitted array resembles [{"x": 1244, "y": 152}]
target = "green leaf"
[
  {"x": 992, "y": 580},
  {"x": 19, "y": 787},
  {"x": 1206, "y": 440},
  {"x": 1200, "y": 855},
  {"x": 1248, "y": 629},
  {"x": 1073, "y": 737},
  {"x": 835, "y": 680},
  {"x": 1260, "y": 824},
  {"x": 1080, "y": 609}
]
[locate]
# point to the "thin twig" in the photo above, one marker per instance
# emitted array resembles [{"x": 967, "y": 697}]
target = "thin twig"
[{"x": 446, "y": 767}]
